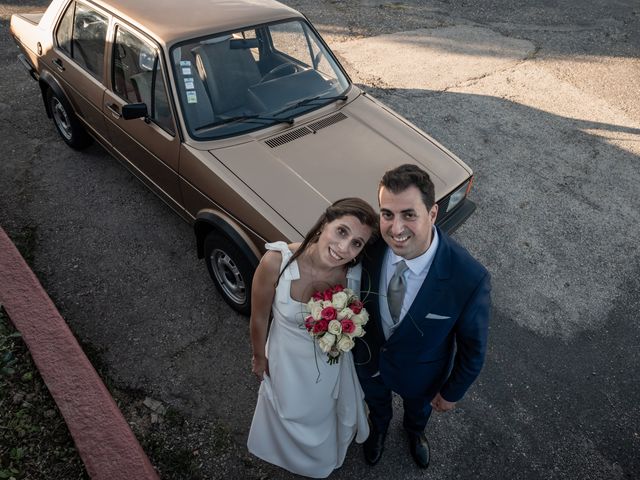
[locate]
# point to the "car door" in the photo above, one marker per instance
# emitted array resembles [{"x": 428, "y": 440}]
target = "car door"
[
  {"x": 151, "y": 144},
  {"x": 77, "y": 61}
]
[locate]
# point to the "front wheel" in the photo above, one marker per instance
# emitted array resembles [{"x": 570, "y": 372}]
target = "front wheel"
[
  {"x": 230, "y": 270},
  {"x": 68, "y": 126}
]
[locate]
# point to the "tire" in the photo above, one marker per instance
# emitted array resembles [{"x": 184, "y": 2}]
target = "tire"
[
  {"x": 230, "y": 270},
  {"x": 66, "y": 122}
]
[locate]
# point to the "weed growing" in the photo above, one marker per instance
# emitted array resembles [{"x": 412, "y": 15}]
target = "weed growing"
[{"x": 34, "y": 440}]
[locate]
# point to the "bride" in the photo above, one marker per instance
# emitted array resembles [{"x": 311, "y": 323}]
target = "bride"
[{"x": 308, "y": 411}]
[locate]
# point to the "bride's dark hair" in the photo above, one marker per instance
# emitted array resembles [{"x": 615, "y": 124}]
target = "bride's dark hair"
[{"x": 353, "y": 206}]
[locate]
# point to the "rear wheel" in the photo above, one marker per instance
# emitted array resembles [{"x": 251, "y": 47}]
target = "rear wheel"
[
  {"x": 68, "y": 126},
  {"x": 230, "y": 270}
]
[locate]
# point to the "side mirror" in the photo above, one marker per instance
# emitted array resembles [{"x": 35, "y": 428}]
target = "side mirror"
[{"x": 134, "y": 110}]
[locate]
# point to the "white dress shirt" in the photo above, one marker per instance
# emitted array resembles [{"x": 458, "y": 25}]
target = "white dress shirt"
[{"x": 414, "y": 277}]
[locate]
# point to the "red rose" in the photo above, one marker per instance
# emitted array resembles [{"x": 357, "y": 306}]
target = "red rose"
[
  {"x": 329, "y": 313},
  {"x": 337, "y": 288},
  {"x": 356, "y": 306},
  {"x": 317, "y": 296},
  {"x": 308, "y": 323},
  {"x": 348, "y": 326},
  {"x": 320, "y": 326},
  {"x": 327, "y": 294}
]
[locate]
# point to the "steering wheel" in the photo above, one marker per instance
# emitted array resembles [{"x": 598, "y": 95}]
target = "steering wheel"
[{"x": 281, "y": 70}]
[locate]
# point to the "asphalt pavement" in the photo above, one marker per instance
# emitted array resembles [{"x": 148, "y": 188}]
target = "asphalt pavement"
[{"x": 540, "y": 98}]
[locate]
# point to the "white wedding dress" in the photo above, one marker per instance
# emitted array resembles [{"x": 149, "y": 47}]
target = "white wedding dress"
[{"x": 308, "y": 411}]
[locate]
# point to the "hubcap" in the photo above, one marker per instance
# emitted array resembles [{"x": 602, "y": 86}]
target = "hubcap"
[
  {"x": 228, "y": 276},
  {"x": 61, "y": 118}
]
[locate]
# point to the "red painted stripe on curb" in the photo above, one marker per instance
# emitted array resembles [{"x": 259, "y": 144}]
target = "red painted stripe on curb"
[{"x": 102, "y": 436}]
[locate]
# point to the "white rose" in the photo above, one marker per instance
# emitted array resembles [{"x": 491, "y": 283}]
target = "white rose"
[
  {"x": 345, "y": 313},
  {"x": 315, "y": 310},
  {"x": 334, "y": 327},
  {"x": 345, "y": 343},
  {"x": 350, "y": 293},
  {"x": 326, "y": 341},
  {"x": 339, "y": 300},
  {"x": 358, "y": 332},
  {"x": 326, "y": 303},
  {"x": 360, "y": 318}
]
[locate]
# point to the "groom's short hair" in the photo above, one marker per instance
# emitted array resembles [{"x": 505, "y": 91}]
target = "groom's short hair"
[{"x": 404, "y": 176}]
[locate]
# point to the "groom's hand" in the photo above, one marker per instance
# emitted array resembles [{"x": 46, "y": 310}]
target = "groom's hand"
[{"x": 441, "y": 405}]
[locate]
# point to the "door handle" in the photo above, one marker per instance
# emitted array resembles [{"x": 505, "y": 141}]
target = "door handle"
[
  {"x": 115, "y": 111},
  {"x": 58, "y": 63}
]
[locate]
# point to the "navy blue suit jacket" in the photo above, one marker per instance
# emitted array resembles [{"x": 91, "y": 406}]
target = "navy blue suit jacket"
[{"x": 425, "y": 355}]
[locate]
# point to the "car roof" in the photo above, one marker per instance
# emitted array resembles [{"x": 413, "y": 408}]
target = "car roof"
[{"x": 170, "y": 21}]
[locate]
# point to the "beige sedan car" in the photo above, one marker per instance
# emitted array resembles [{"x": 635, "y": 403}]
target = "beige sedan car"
[{"x": 234, "y": 112}]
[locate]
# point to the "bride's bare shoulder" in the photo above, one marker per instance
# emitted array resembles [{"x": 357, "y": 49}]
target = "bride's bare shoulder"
[{"x": 270, "y": 261}]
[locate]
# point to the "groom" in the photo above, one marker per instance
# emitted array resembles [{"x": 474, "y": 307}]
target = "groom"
[{"x": 429, "y": 306}]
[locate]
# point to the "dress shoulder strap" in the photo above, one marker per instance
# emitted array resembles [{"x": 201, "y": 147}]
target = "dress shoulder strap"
[
  {"x": 290, "y": 273},
  {"x": 354, "y": 275}
]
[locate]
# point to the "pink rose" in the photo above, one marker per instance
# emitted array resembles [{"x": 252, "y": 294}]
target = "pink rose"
[
  {"x": 356, "y": 306},
  {"x": 348, "y": 326},
  {"x": 320, "y": 326},
  {"x": 329, "y": 313},
  {"x": 308, "y": 323}
]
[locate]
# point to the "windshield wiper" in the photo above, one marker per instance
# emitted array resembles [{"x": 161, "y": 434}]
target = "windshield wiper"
[
  {"x": 272, "y": 119},
  {"x": 246, "y": 119},
  {"x": 308, "y": 101}
]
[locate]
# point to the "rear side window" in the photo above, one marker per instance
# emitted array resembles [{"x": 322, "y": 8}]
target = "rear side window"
[
  {"x": 137, "y": 76},
  {"x": 82, "y": 33},
  {"x": 65, "y": 30}
]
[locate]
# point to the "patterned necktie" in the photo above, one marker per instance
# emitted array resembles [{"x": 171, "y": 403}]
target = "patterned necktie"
[{"x": 396, "y": 290}]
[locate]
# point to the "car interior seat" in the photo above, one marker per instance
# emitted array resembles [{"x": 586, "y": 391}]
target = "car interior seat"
[{"x": 227, "y": 74}]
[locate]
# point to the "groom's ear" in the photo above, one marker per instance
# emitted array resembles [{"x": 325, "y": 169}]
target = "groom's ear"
[{"x": 433, "y": 213}]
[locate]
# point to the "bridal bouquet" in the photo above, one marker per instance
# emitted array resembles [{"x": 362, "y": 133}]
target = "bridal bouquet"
[{"x": 336, "y": 316}]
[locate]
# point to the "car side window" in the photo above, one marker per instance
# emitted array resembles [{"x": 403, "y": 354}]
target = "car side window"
[
  {"x": 82, "y": 34},
  {"x": 320, "y": 61},
  {"x": 89, "y": 37},
  {"x": 290, "y": 39},
  {"x": 137, "y": 76},
  {"x": 65, "y": 30}
]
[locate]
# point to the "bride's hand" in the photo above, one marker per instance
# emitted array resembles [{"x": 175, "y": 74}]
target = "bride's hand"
[{"x": 260, "y": 366}]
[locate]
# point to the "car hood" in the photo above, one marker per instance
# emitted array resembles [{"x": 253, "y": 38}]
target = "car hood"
[{"x": 343, "y": 154}]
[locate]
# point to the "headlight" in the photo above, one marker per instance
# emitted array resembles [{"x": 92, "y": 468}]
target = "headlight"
[{"x": 456, "y": 197}]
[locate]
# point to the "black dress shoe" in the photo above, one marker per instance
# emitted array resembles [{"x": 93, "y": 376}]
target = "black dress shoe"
[
  {"x": 419, "y": 448},
  {"x": 373, "y": 447}
]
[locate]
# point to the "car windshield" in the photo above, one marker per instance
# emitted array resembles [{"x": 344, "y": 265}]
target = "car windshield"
[{"x": 249, "y": 79}]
